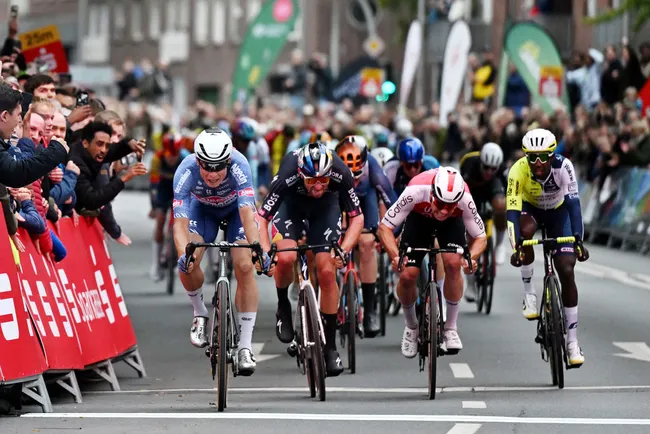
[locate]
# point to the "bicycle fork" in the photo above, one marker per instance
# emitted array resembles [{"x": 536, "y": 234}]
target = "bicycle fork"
[{"x": 301, "y": 314}]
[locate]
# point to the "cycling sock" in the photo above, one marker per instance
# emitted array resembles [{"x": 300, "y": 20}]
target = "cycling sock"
[
  {"x": 571, "y": 321},
  {"x": 156, "y": 251},
  {"x": 196, "y": 297},
  {"x": 246, "y": 325},
  {"x": 500, "y": 236},
  {"x": 329, "y": 325},
  {"x": 368, "y": 292},
  {"x": 527, "y": 278},
  {"x": 283, "y": 295},
  {"x": 452, "y": 315},
  {"x": 410, "y": 317}
]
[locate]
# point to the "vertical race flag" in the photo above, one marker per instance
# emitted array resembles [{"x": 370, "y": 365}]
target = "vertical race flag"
[
  {"x": 538, "y": 61},
  {"x": 454, "y": 66},
  {"x": 265, "y": 39},
  {"x": 412, "y": 55}
]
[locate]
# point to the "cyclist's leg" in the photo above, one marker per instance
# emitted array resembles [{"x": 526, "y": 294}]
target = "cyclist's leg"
[
  {"x": 416, "y": 233},
  {"x": 287, "y": 223},
  {"x": 246, "y": 298},
  {"x": 202, "y": 227},
  {"x": 452, "y": 231},
  {"x": 368, "y": 263},
  {"x": 559, "y": 225},
  {"x": 528, "y": 224},
  {"x": 161, "y": 205},
  {"x": 324, "y": 227},
  {"x": 498, "y": 201}
]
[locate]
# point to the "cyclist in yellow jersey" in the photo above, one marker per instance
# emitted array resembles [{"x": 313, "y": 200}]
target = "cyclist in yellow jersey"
[{"x": 542, "y": 189}]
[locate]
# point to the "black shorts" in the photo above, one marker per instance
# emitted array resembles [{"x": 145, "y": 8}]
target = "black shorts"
[
  {"x": 319, "y": 218},
  {"x": 487, "y": 192},
  {"x": 417, "y": 233},
  {"x": 164, "y": 197}
]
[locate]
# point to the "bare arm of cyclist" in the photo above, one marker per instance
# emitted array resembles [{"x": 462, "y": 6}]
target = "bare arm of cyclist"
[{"x": 389, "y": 242}]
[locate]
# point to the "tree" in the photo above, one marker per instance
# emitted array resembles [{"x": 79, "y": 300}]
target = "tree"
[
  {"x": 405, "y": 11},
  {"x": 639, "y": 9}
]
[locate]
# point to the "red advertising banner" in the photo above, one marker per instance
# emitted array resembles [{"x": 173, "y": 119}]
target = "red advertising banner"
[
  {"x": 20, "y": 352},
  {"x": 121, "y": 329},
  {"x": 44, "y": 47},
  {"x": 48, "y": 309},
  {"x": 83, "y": 298}
]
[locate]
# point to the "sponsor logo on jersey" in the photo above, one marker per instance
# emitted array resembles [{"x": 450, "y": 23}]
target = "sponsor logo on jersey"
[
  {"x": 397, "y": 206},
  {"x": 236, "y": 170},
  {"x": 270, "y": 202},
  {"x": 550, "y": 186},
  {"x": 218, "y": 200},
  {"x": 246, "y": 192},
  {"x": 566, "y": 249},
  {"x": 182, "y": 181},
  {"x": 353, "y": 196},
  {"x": 177, "y": 203},
  {"x": 337, "y": 176},
  {"x": 292, "y": 180},
  {"x": 477, "y": 219}
]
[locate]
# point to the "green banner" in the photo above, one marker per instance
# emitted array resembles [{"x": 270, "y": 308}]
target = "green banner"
[
  {"x": 265, "y": 39},
  {"x": 538, "y": 61}
]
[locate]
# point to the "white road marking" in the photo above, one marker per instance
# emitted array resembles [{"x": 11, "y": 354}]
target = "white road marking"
[
  {"x": 457, "y": 418},
  {"x": 634, "y": 350},
  {"x": 259, "y": 357},
  {"x": 474, "y": 404},
  {"x": 394, "y": 390},
  {"x": 461, "y": 370},
  {"x": 464, "y": 428}
]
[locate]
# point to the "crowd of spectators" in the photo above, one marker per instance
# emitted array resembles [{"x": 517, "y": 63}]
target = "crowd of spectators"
[{"x": 59, "y": 154}]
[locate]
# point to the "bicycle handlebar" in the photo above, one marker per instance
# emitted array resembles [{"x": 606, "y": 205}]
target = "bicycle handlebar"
[
  {"x": 191, "y": 247},
  {"x": 334, "y": 245},
  {"x": 405, "y": 250},
  {"x": 575, "y": 239}
]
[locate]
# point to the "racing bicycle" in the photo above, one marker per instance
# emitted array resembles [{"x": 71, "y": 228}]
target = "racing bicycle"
[
  {"x": 551, "y": 328},
  {"x": 350, "y": 315},
  {"x": 309, "y": 341},
  {"x": 169, "y": 256},
  {"x": 431, "y": 323},
  {"x": 224, "y": 339},
  {"x": 486, "y": 267}
]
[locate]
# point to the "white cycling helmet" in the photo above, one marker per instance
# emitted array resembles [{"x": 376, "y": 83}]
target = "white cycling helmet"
[
  {"x": 403, "y": 127},
  {"x": 491, "y": 155},
  {"x": 448, "y": 185},
  {"x": 213, "y": 147},
  {"x": 539, "y": 140},
  {"x": 382, "y": 155}
]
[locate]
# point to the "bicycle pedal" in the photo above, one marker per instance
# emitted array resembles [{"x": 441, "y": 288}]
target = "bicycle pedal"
[
  {"x": 539, "y": 340},
  {"x": 292, "y": 349},
  {"x": 207, "y": 352}
]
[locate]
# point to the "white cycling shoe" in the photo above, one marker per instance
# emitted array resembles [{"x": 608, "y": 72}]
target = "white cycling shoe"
[
  {"x": 529, "y": 309},
  {"x": 574, "y": 354},
  {"x": 409, "y": 343},
  {"x": 453, "y": 343}
]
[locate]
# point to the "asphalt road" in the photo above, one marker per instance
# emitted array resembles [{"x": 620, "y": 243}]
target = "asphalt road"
[{"x": 498, "y": 383}]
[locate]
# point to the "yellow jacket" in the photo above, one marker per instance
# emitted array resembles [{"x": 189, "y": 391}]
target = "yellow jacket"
[{"x": 482, "y": 90}]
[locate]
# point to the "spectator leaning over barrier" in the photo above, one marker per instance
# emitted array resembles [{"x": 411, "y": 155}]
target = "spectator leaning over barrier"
[
  {"x": 19, "y": 173},
  {"x": 90, "y": 154},
  {"x": 63, "y": 191}
]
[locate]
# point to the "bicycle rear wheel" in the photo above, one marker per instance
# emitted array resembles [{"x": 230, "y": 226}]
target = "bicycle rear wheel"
[
  {"x": 315, "y": 350},
  {"x": 432, "y": 337},
  {"x": 382, "y": 293},
  {"x": 351, "y": 321},
  {"x": 479, "y": 281},
  {"x": 171, "y": 266},
  {"x": 222, "y": 345},
  {"x": 490, "y": 273},
  {"x": 555, "y": 333}
]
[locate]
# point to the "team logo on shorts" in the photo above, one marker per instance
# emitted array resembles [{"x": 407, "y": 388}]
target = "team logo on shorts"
[{"x": 177, "y": 203}]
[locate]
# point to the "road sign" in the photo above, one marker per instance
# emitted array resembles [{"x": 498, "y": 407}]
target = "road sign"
[
  {"x": 374, "y": 46},
  {"x": 371, "y": 80},
  {"x": 45, "y": 45}
]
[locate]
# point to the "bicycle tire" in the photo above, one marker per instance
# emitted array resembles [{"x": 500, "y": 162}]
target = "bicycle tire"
[
  {"x": 556, "y": 338},
  {"x": 432, "y": 336},
  {"x": 171, "y": 267},
  {"x": 222, "y": 345},
  {"x": 351, "y": 321},
  {"x": 316, "y": 351},
  {"x": 479, "y": 281},
  {"x": 381, "y": 294},
  {"x": 490, "y": 269},
  {"x": 302, "y": 337}
]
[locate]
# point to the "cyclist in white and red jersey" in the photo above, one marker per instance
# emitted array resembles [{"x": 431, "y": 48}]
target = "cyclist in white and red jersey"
[{"x": 435, "y": 200}]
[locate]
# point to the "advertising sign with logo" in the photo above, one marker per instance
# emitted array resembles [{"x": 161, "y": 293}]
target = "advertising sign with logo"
[
  {"x": 44, "y": 47},
  {"x": 371, "y": 80},
  {"x": 550, "y": 81}
]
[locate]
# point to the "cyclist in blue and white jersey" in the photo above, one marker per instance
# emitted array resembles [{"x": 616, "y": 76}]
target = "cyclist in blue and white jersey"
[
  {"x": 370, "y": 184},
  {"x": 410, "y": 162},
  {"x": 213, "y": 186}
]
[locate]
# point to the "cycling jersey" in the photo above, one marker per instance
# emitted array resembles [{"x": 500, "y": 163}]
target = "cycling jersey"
[
  {"x": 161, "y": 178},
  {"x": 560, "y": 188},
  {"x": 289, "y": 183},
  {"x": 417, "y": 197},
  {"x": 483, "y": 191},
  {"x": 372, "y": 183},
  {"x": 236, "y": 190},
  {"x": 398, "y": 178}
]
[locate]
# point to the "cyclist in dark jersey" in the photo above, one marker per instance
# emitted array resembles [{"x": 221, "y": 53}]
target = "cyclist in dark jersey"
[
  {"x": 313, "y": 185},
  {"x": 409, "y": 162},
  {"x": 161, "y": 189}
]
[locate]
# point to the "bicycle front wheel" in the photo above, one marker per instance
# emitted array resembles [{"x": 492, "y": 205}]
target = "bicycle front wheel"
[
  {"x": 382, "y": 293},
  {"x": 171, "y": 266},
  {"x": 351, "y": 321},
  {"x": 555, "y": 335},
  {"x": 222, "y": 345},
  {"x": 432, "y": 338},
  {"x": 490, "y": 273},
  {"x": 315, "y": 349}
]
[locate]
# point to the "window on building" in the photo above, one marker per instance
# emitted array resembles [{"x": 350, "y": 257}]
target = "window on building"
[
  {"x": 252, "y": 9},
  {"x": 184, "y": 14},
  {"x": 218, "y": 22},
  {"x": 201, "y": 22},
  {"x": 119, "y": 20},
  {"x": 154, "y": 19},
  {"x": 170, "y": 16},
  {"x": 136, "y": 21}
]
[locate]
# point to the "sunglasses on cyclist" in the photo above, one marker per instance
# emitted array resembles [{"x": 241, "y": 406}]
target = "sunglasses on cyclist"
[
  {"x": 413, "y": 165},
  {"x": 213, "y": 167},
  {"x": 357, "y": 174},
  {"x": 543, "y": 157},
  {"x": 312, "y": 182},
  {"x": 443, "y": 206},
  {"x": 489, "y": 168}
]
